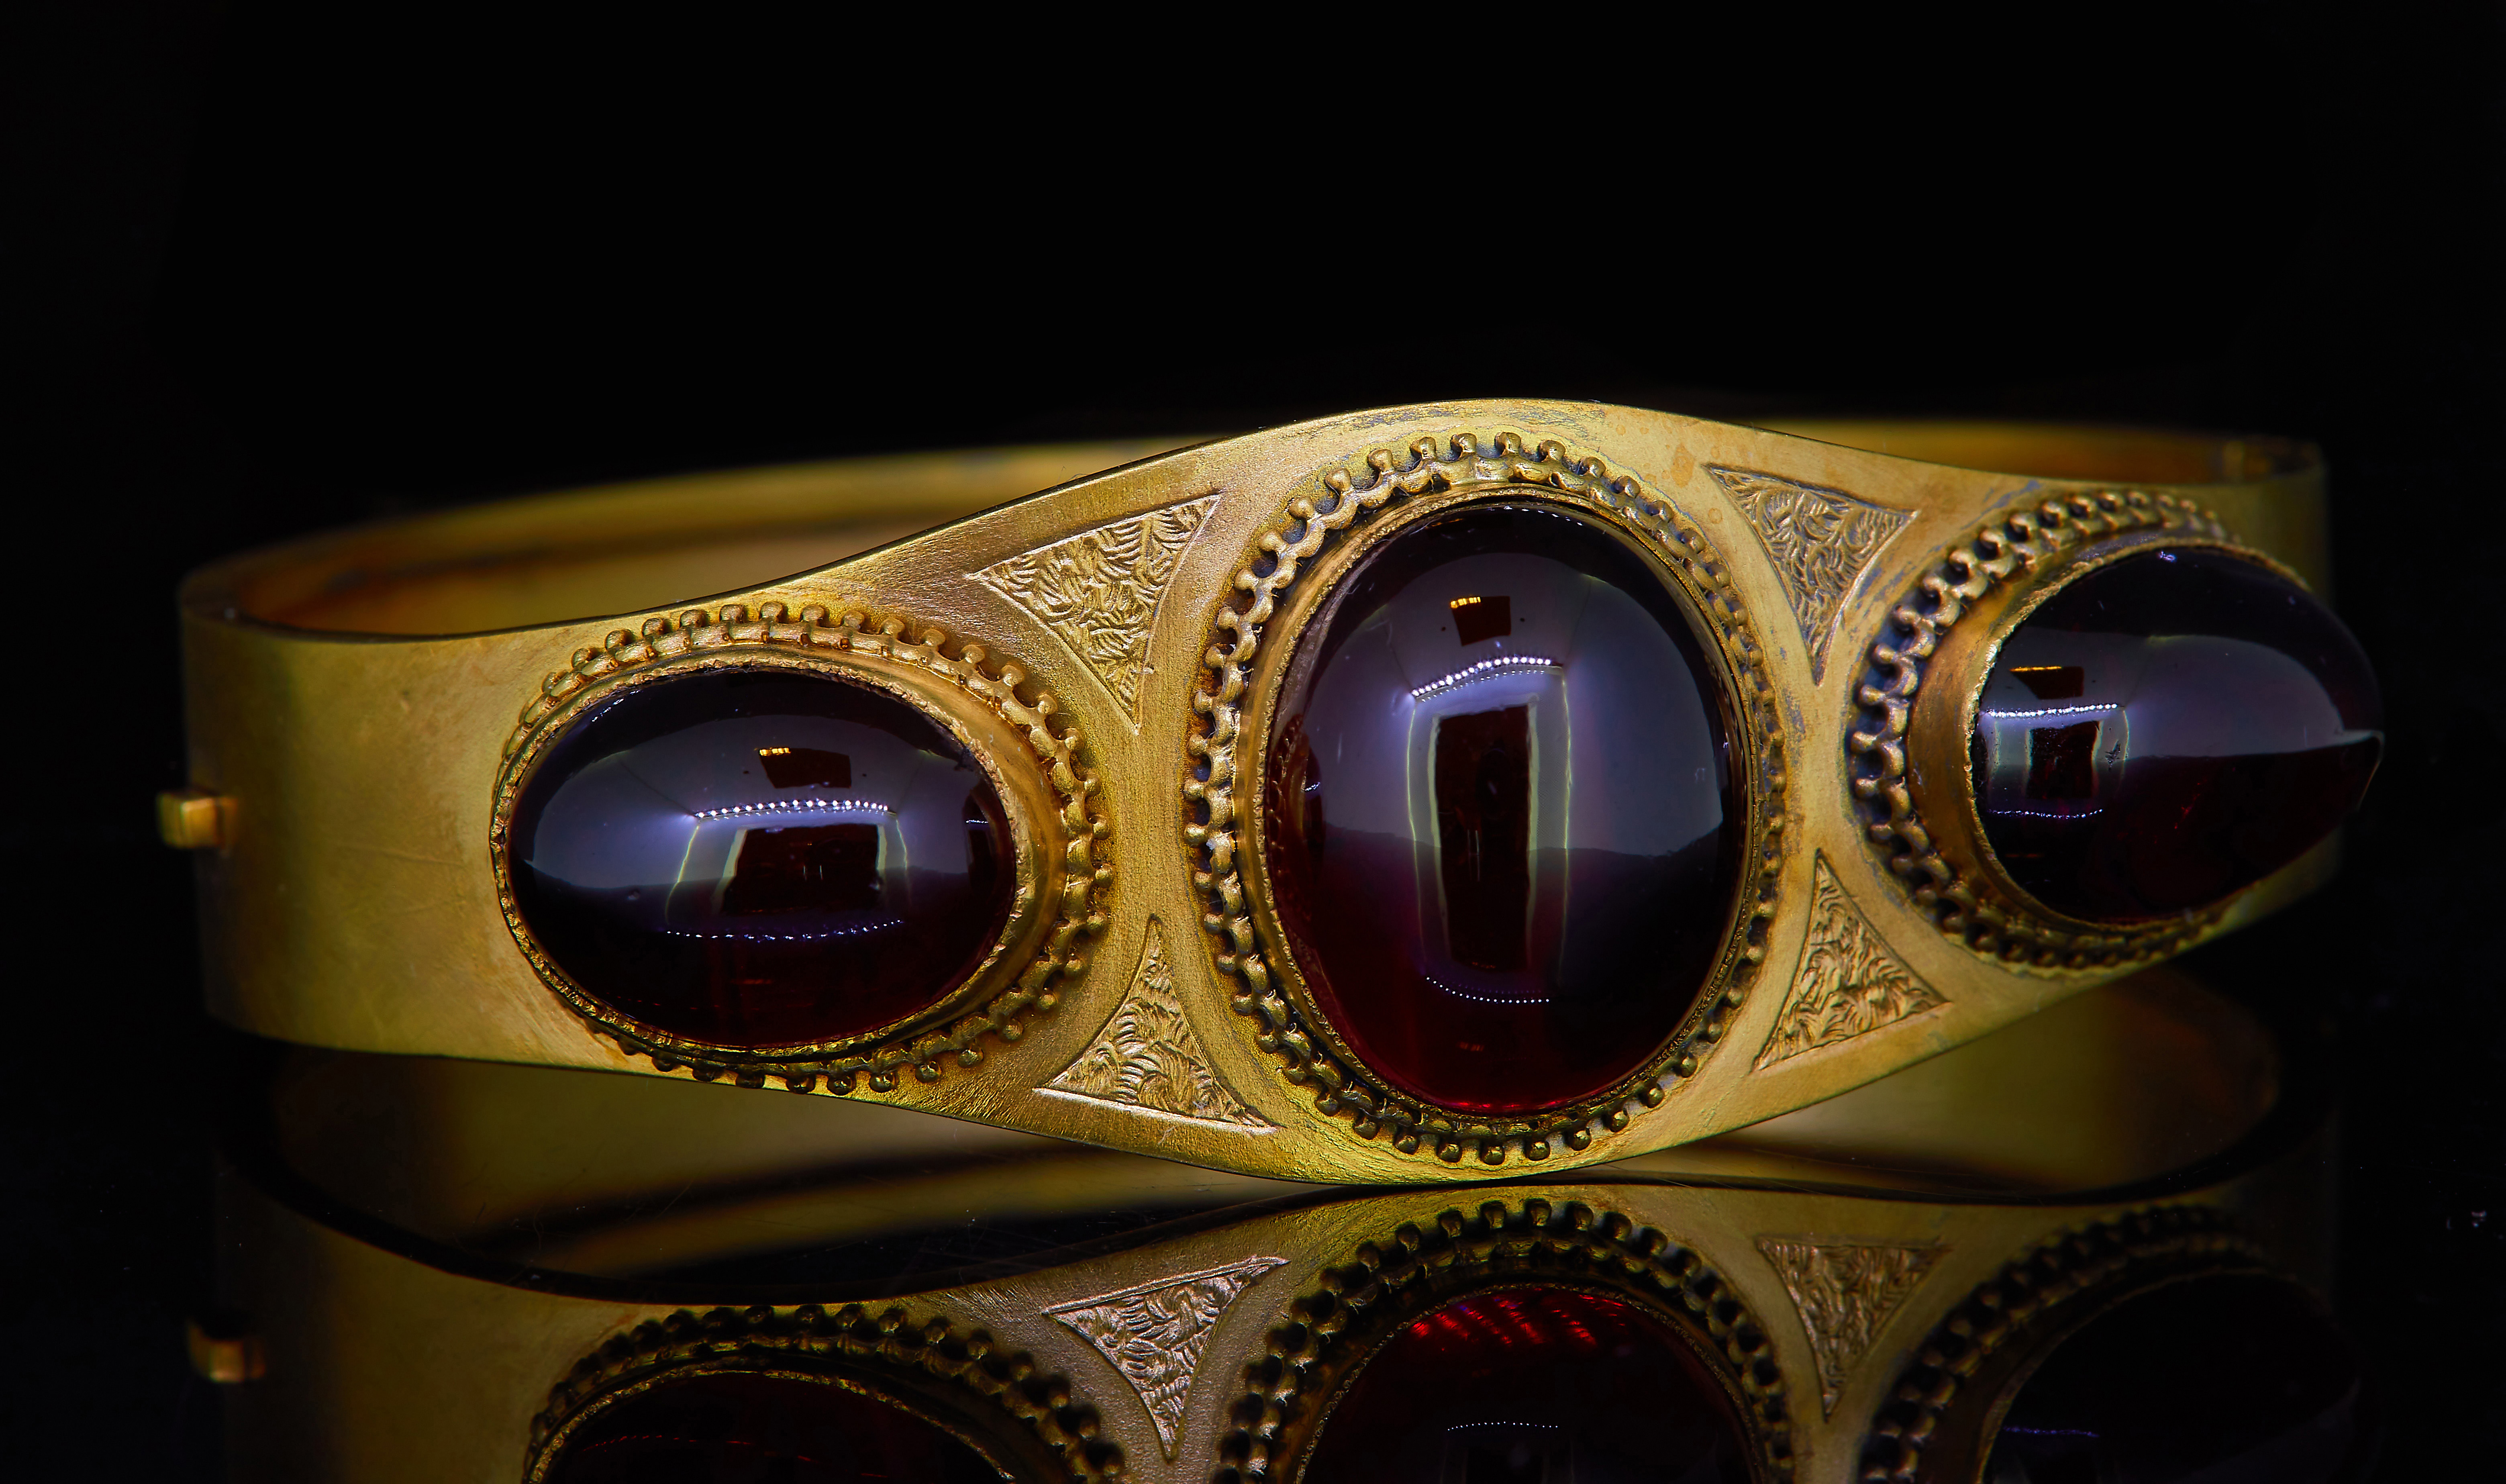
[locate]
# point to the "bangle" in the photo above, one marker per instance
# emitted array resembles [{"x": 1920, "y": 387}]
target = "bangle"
[
  {"x": 1411, "y": 794},
  {"x": 2066, "y": 1244}
]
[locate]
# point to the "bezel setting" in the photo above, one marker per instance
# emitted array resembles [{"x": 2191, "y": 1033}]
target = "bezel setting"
[
  {"x": 954, "y": 1380},
  {"x": 1354, "y": 1308},
  {"x": 1915, "y": 708},
  {"x": 1294, "y": 566},
  {"x": 1059, "y": 831},
  {"x": 1952, "y": 1395}
]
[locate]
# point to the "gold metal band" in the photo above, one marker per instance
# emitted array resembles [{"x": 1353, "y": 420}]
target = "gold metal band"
[
  {"x": 444, "y": 1267},
  {"x": 361, "y": 706}
]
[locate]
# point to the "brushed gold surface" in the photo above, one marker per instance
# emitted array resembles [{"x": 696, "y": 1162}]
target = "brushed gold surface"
[{"x": 353, "y": 904}]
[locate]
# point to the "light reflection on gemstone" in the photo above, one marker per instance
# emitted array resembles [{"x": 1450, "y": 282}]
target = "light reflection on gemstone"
[
  {"x": 1501, "y": 826},
  {"x": 2168, "y": 730},
  {"x": 762, "y": 858}
]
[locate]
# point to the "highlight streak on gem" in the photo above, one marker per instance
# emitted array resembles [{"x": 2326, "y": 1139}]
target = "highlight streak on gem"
[{"x": 1484, "y": 669}]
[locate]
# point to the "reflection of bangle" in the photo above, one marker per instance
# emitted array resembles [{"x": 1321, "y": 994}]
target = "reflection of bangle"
[
  {"x": 1872, "y": 1279},
  {"x": 1388, "y": 797}
]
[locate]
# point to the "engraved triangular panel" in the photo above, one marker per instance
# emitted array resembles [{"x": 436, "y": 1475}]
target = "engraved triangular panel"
[
  {"x": 1098, "y": 591},
  {"x": 1849, "y": 981},
  {"x": 1845, "y": 1292},
  {"x": 1154, "y": 1334},
  {"x": 1821, "y": 541},
  {"x": 1146, "y": 1057}
]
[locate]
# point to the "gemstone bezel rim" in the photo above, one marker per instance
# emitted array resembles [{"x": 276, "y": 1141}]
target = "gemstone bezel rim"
[
  {"x": 1944, "y": 718},
  {"x": 1943, "y": 1406},
  {"x": 1305, "y": 616},
  {"x": 1350, "y": 1310},
  {"x": 2021, "y": 603},
  {"x": 1910, "y": 713},
  {"x": 1059, "y": 882},
  {"x": 1697, "y": 575},
  {"x": 920, "y": 1367}
]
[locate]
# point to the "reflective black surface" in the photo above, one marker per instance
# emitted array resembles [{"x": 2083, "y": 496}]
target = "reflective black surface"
[
  {"x": 739, "y": 1427},
  {"x": 1536, "y": 1384},
  {"x": 2224, "y": 1380},
  {"x": 762, "y": 858},
  {"x": 1503, "y": 835},
  {"x": 2168, "y": 730}
]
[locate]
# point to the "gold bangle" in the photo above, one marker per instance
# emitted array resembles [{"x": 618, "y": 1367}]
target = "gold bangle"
[
  {"x": 443, "y": 1270},
  {"x": 1805, "y": 644}
]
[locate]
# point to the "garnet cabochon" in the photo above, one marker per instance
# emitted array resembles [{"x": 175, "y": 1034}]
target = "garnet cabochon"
[
  {"x": 2215, "y": 1379},
  {"x": 1502, "y": 828},
  {"x": 739, "y": 1426},
  {"x": 1529, "y": 1383},
  {"x": 2165, "y": 730},
  {"x": 762, "y": 858}
]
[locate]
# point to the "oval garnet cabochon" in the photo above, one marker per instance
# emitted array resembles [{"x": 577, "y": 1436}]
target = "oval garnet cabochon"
[
  {"x": 1502, "y": 826},
  {"x": 762, "y": 858},
  {"x": 1532, "y": 1383},
  {"x": 2168, "y": 730},
  {"x": 2211, "y": 1379}
]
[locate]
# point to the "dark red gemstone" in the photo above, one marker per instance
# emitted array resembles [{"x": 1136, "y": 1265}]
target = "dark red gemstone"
[
  {"x": 2168, "y": 730},
  {"x": 734, "y": 1427},
  {"x": 2220, "y": 1379},
  {"x": 1504, "y": 854},
  {"x": 1525, "y": 1385},
  {"x": 759, "y": 857}
]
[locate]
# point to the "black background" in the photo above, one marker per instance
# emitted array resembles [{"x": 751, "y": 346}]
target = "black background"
[{"x": 275, "y": 268}]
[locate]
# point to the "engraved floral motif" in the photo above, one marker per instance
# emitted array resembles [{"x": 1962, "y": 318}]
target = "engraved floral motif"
[
  {"x": 1845, "y": 1292},
  {"x": 1850, "y": 981},
  {"x": 1146, "y": 1056},
  {"x": 1154, "y": 1334},
  {"x": 1098, "y": 591},
  {"x": 1821, "y": 540}
]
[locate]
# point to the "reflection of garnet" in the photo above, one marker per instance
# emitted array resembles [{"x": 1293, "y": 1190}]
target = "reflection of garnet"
[
  {"x": 1483, "y": 834},
  {"x": 2236, "y": 723},
  {"x": 2218, "y": 1377},
  {"x": 1532, "y": 1383},
  {"x": 729, "y": 1426},
  {"x": 681, "y": 852},
  {"x": 1503, "y": 867}
]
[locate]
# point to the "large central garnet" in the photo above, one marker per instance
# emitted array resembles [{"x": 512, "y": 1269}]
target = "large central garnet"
[{"x": 1502, "y": 826}]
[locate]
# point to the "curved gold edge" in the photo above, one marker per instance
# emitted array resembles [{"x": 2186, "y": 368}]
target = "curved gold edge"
[{"x": 779, "y": 521}]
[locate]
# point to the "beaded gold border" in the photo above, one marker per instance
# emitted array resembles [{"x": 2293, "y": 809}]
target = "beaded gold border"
[
  {"x": 1356, "y": 1305},
  {"x": 1086, "y": 872},
  {"x": 2024, "y": 544},
  {"x": 2109, "y": 1257},
  {"x": 1340, "y": 1084},
  {"x": 810, "y": 1343}
]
